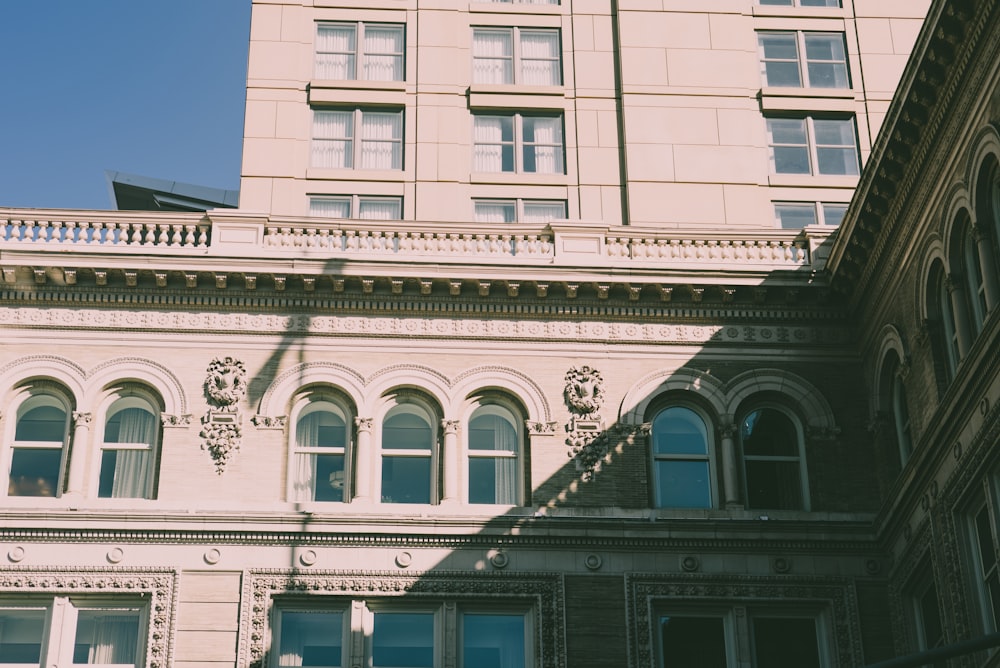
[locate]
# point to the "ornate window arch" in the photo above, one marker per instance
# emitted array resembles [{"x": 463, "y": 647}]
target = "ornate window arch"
[
  {"x": 129, "y": 433},
  {"x": 772, "y": 442},
  {"x": 986, "y": 200},
  {"x": 967, "y": 270},
  {"x": 38, "y": 439},
  {"x": 683, "y": 453},
  {"x": 941, "y": 319},
  {"x": 321, "y": 435},
  {"x": 409, "y": 450},
  {"x": 894, "y": 405},
  {"x": 495, "y": 450}
]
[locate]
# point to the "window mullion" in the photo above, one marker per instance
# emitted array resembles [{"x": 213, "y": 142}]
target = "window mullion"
[
  {"x": 360, "y": 55},
  {"x": 518, "y": 144},
  {"x": 359, "y": 627},
  {"x": 802, "y": 58},
  {"x": 811, "y": 142},
  {"x": 516, "y": 54},
  {"x": 357, "y": 140}
]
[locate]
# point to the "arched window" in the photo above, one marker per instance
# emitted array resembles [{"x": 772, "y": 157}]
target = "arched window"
[
  {"x": 128, "y": 449},
  {"x": 408, "y": 454},
  {"x": 773, "y": 460},
  {"x": 942, "y": 319},
  {"x": 975, "y": 279},
  {"x": 494, "y": 450},
  {"x": 901, "y": 418},
  {"x": 682, "y": 459},
  {"x": 38, "y": 453},
  {"x": 319, "y": 469}
]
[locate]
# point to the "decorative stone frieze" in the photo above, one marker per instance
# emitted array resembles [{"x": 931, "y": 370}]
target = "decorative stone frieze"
[
  {"x": 825, "y": 434},
  {"x": 222, "y": 431},
  {"x": 169, "y": 420},
  {"x": 269, "y": 421},
  {"x": 541, "y": 428}
]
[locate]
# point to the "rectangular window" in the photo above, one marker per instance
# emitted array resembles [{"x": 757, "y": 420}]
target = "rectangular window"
[
  {"x": 925, "y": 610},
  {"x": 357, "y": 206},
  {"x": 357, "y": 139},
  {"x": 796, "y": 215},
  {"x": 812, "y": 145},
  {"x": 518, "y": 143},
  {"x": 802, "y": 3},
  {"x": 529, "y": 57},
  {"x": 102, "y": 634},
  {"x": 985, "y": 550},
  {"x": 522, "y": 2},
  {"x": 518, "y": 210},
  {"x": 380, "y": 635},
  {"x": 803, "y": 59},
  {"x": 379, "y": 58}
]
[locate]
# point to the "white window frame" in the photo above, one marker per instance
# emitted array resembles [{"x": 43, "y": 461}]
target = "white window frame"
[
  {"x": 819, "y": 212},
  {"x": 60, "y": 626},
  {"x": 130, "y": 397},
  {"x": 799, "y": 3},
  {"x": 975, "y": 278},
  {"x": 355, "y": 204},
  {"x": 812, "y": 148},
  {"x": 356, "y": 138},
  {"x": 802, "y": 60},
  {"x": 510, "y": 413},
  {"x": 518, "y": 204},
  {"x": 708, "y": 457},
  {"x": 358, "y": 625},
  {"x": 26, "y": 399},
  {"x": 518, "y": 144},
  {"x": 359, "y": 54},
  {"x": 517, "y": 58},
  {"x": 424, "y": 409},
  {"x": 520, "y": 2},
  {"x": 800, "y": 458},
  {"x": 306, "y": 403}
]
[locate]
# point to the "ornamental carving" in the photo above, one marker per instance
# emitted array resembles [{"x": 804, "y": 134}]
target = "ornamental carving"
[
  {"x": 588, "y": 446},
  {"x": 269, "y": 421},
  {"x": 584, "y": 391},
  {"x": 222, "y": 430},
  {"x": 175, "y": 420},
  {"x": 546, "y": 428}
]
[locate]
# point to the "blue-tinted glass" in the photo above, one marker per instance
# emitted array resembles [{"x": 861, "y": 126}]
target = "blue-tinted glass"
[
  {"x": 683, "y": 484},
  {"x": 482, "y": 480},
  {"x": 310, "y": 639},
  {"x": 406, "y": 479},
  {"x": 321, "y": 429},
  {"x": 403, "y": 640},
  {"x": 34, "y": 472},
  {"x": 787, "y": 130},
  {"x": 493, "y": 641},
  {"x": 406, "y": 431},
  {"x": 833, "y": 214},
  {"x": 492, "y": 432},
  {"x": 795, "y": 216},
  {"x": 679, "y": 431},
  {"x": 42, "y": 423},
  {"x": 21, "y": 640},
  {"x": 106, "y": 484},
  {"x": 329, "y": 478}
]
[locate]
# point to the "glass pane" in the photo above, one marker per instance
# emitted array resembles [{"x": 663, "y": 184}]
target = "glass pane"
[
  {"x": 787, "y": 131},
  {"x": 106, "y": 636},
  {"x": 795, "y": 216},
  {"x": 785, "y": 642},
  {"x": 826, "y": 61},
  {"x": 320, "y": 429},
  {"x": 42, "y": 423},
  {"x": 683, "y": 484},
  {"x": 493, "y": 56},
  {"x": 930, "y": 618},
  {"x": 769, "y": 432},
  {"x": 779, "y": 46},
  {"x": 21, "y": 636},
  {"x": 380, "y": 209},
  {"x": 679, "y": 431},
  {"x": 543, "y": 212},
  {"x": 773, "y": 485},
  {"x": 493, "y": 641},
  {"x": 791, "y": 160},
  {"x": 492, "y": 432},
  {"x": 406, "y": 479},
  {"x": 34, "y": 472},
  {"x": 131, "y": 425},
  {"x": 330, "y": 208},
  {"x": 817, "y": 3},
  {"x": 831, "y": 132},
  {"x": 833, "y": 214},
  {"x": 837, "y": 161},
  {"x": 406, "y": 431},
  {"x": 693, "y": 642},
  {"x": 124, "y": 474},
  {"x": 310, "y": 639},
  {"x": 403, "y": 640},
  {"x": 493, "y": 480},
  {"x": 383, "y": 59},
  {"x": 329, "y": 483},
  {"x": 540, "y": 58},
  {"x": 335, "y": 51},
  {"x": 495, "y": 212}
]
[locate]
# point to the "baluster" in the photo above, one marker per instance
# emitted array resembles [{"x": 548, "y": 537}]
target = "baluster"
[
  {"x": 177, "y": 238},
  {"x": 189, "y": 238},
  {"x": 164, "y": 236},
  {"x": 203, "y": 235}
]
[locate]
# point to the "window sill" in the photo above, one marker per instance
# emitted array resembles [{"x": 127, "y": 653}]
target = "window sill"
[
  {"x": 812, "y": 181},
  {"x": 353, "y": 93},
  {"x": 808, "y": 99},
  {"x": 321, "y": 174},
  {"x": 784, "y": 11},
  {"x": 514, "y": 96},
  {"x": 519, "y": 179}
]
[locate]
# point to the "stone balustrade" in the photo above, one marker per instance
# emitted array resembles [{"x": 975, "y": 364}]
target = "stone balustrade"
[{"x": 88, "y": 229}]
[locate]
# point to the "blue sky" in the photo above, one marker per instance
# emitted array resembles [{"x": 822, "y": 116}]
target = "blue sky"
[{"x": 150, "y": 87}]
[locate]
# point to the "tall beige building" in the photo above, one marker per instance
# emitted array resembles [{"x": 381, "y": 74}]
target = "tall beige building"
[{"x": 532, "y": 343}]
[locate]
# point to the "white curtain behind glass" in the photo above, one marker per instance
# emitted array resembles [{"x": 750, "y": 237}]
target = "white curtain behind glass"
[
  {"x": 112, "y": 637},
  {"x": 492, "y": 57},
  {"x": 383, "y": 53},
  {"x": 488, "y": 134},
  {"x": 304, "y": 467},
  {"x": 132, "y": 475},
  {"x": 331, "y": 208},
  {"x": 540, "y": 58},
  {"x": 543, "y": 142},
  {"x": 381, "y": 140},
  {"x": 335, "y": 52},
  {"x": 543, "y": 212},
  {"x": 506, "y": 467},
  {"x": 495, "y": 212},
  {"x": 379, "y": 209},
  {"x": 332, "y": 144}
]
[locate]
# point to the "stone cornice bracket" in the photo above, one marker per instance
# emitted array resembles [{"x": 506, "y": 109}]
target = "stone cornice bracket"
[
  {"x": 269, "y": 421},
  {"x": 225, "y": 387},
  {"x": 169, "y": 420},
  {"x": 541, "y": 428}
]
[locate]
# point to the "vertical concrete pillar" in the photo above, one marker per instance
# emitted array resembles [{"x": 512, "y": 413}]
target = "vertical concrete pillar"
[
  {"x": 959, "y": 307},
  {"x": 452, "y": 460},
  {"x": 730, "y": 474},
  {"x": 363, "y": 490},
  {"x": 80, "y": 446}
]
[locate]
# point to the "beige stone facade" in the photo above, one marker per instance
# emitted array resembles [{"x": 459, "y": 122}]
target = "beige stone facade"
[{"x": 655, "y": 430}]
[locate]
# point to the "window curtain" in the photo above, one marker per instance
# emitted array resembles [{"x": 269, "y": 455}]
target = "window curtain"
[
  {"x": 383, "y": 60},
  {"x": 112, "y": 639},
  {"x": 540, "y": 58},
  {"x": 492, "y": 57},
  {"x": 132, "y": 466},
  {"x": 381, "y": 140},
  {"x": 304, "y": 466},
  {"x": 543, "y": 212},
  {"x": 488, "y": 139},
  {"x": 378, "y": 209},
  {"x": 543, "y": 145},
  {"x": 505, "y": 436},
  {"x": 332, "y": 145},
  {"x": 495, "y": 212},
  {"x": 331, "y": 208},
  {"x": 335, "y": 49}
]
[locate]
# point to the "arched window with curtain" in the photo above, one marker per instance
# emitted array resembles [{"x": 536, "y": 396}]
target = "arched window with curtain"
[
  {"x": 38, "y": 453},
  {"x": 901, "y": 418},
  {"x": 942, "y": 320},
  {"x": 408, "y": 454},
  {"x": 495, "y": 442},
  {"x": 773, "y": 459},
  {"x": 965, "y": 262},
  {"x": 988, "y": 226},
  {"x": 682, "y": 451},
  {"x": 319, "y": 469},
  {"x": 129, "y": 449}
]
